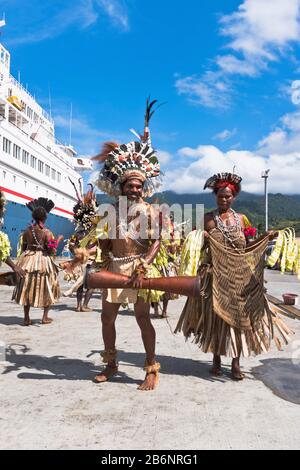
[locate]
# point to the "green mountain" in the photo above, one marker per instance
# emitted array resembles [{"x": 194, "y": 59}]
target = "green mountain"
[{"x": 283, "y": 210}]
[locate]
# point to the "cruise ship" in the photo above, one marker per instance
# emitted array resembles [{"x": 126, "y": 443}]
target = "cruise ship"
[{"x": 33, "y": 162}]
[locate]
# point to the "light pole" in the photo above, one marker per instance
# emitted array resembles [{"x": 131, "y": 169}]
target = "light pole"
[{"x": 265, "y": 175}]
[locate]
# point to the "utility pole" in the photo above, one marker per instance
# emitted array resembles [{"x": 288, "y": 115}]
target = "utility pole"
[{"x": 265, "y": 175}]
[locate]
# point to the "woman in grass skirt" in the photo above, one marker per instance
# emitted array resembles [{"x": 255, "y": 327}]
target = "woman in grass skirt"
[{"x": 40, "y": 287}]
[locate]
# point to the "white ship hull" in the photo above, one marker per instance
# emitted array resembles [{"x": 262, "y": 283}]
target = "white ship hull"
[{"x": 32, "y": 162}]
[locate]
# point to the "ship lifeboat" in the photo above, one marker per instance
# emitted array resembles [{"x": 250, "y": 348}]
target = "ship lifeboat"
[{"x": 14, "y": 100}]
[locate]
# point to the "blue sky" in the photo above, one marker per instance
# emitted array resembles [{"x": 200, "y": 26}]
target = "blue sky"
[{"x": 228, "y": 70}]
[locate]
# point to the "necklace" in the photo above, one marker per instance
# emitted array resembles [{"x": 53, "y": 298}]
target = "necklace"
[
  {"x": 37, "y": 243},
  {"x": 230, "y": 232}
]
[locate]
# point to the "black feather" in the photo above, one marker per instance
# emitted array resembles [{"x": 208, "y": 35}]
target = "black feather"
[
  {"x": 137, "y": 147},
  {"x": 80, "y": 187},
  {"x": 47, "y": 204},
  {"x": 73, "y": 184},
  {"x": 149, "y": 111}
]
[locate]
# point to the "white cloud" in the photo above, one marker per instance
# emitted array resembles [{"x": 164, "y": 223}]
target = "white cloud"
[
  {"x": 211, "y": 90},
  {"x": 285, "y": 138},
  {"x": 292, "y": 121},
  {"x": 116, "y": 11},
  {"x": 225, "y": 134},
  {"x": 47, "y": 23},
  {"x": 280, "y": 142},
  {"x": 231, "y": 65},
  {"x": 164, "y": 157},
  {"x": 279, "y": 151},
  {"x": 284, "y": 175},
  {"x": 258, "y": 27},
  {"x": 259, "y": 32}
]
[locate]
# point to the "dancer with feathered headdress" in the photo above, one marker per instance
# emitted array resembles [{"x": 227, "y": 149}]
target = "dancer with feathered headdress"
[
  {"x": 86, "y": 219},
  {"x": 39, "y": 287},
  {"x": 130, "y": 170}
]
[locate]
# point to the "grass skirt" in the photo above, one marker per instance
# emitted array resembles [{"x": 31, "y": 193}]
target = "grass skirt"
[
  {"x": 214, "y": 335},
  {"x": 39, "y": 287},
  {"x": 123, "y": 296}
]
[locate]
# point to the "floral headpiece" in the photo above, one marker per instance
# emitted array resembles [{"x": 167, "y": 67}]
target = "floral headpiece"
[{"x": 132, "y": 160}]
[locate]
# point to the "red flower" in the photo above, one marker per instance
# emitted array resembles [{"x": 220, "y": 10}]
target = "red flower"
[
  {"x": 250, "y": 232},
  {"x": 52, "y": 244}
]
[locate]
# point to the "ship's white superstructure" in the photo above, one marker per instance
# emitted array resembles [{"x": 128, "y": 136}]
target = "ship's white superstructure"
[{"x": 32, "y": 162}]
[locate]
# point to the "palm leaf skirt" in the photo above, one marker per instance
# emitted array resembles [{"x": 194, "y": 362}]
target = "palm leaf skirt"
[{"x": 39, "y": 287}]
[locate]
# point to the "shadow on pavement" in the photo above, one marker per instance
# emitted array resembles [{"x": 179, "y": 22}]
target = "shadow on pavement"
[
  {"x": 14, "y": 320},
  {"x": 282, "y": 376},
  {"x": 62, "y": 368}
]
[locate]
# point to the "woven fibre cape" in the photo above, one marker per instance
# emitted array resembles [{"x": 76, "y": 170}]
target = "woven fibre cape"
[{"x": 238, "y": 283}]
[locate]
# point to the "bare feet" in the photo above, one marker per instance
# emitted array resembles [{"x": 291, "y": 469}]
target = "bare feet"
[
  {"x": 156, "y": 311},
  {"x": 107, "y": 373},
  {"x": 47, "y": 321},
  {"x": 150, "y": 382},
  {"x": 151, "y": 379},
  {"x": 236, "y": 373},
  {"x": 27, "y": 322},
  {"x": 86, "y": 309},
  {"x": 164, "y": 315},
  {"x": 217, "y": 371},
  {"x": 78, "y": 309},
  {"x": 216, "y": 367}
]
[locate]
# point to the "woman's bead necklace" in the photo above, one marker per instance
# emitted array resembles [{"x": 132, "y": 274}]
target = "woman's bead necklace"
[
  {"x": 37, "y": 243},
  {"x": 230, "y": 232}
]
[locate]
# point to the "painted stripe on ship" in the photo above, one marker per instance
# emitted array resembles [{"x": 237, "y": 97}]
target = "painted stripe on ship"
[{"x": 28, "y": 198}]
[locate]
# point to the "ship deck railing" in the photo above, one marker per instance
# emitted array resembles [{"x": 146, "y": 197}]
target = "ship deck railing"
[
  {"x": 22, "y": 88},
  {"x": 56, "y": 155}
]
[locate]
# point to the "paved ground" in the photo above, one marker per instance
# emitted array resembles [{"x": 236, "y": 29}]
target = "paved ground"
[{"x": 49, "y": 402}]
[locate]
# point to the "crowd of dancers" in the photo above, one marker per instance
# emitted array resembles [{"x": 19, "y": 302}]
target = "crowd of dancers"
[{"x": 221, "y": 272}]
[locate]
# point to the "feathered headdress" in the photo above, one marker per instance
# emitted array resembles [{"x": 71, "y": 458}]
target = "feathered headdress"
[
  {"x": 132, "y": 160},
  {"x": 43, "y": 202},
  {"x": 222, "y": 180},
  {"x": 85, "y": 211},
  {"x": 2, "y": 204}
]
